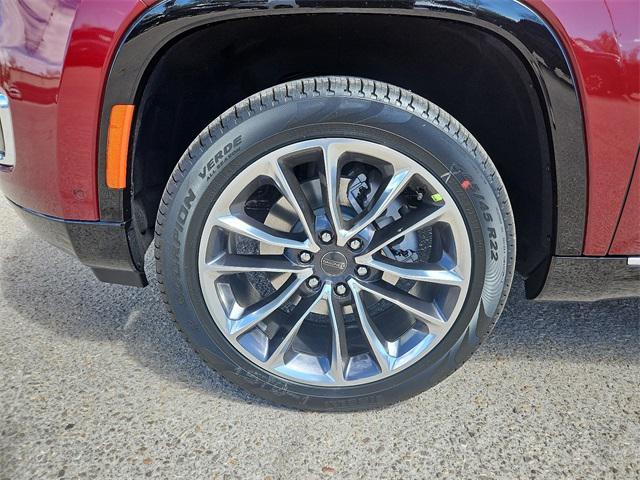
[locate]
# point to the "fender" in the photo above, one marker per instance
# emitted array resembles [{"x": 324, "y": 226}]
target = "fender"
[{"x": 517, "y": 25}]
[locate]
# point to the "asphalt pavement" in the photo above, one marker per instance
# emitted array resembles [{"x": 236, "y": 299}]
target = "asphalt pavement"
[{"x": 95, "y": 382}]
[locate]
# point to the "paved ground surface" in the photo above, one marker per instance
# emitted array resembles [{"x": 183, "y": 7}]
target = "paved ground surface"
[{"x": 96, "y": 383}]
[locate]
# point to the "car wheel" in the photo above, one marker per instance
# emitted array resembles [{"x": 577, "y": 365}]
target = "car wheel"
[{"x": 335, "y": 244}]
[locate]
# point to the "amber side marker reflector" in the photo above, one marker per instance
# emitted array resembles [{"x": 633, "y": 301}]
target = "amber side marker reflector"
[{"x": 118, "y": 145}]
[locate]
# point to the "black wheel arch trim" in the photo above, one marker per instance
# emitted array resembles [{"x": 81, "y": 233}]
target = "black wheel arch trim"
[
  {"x": 519, "y": 26},
  {"x": 102, "y": 246}
]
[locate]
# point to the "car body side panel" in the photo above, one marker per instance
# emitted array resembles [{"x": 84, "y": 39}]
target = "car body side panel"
[
  {"x": 627, "y": 238},
  {"x": 33, "y": 40},
  {"x": 54, "y": 58},
  {"x": 626, "y": 19},
  {"x": 602, "y": 37},
  {"x": 97, "y": 27}
]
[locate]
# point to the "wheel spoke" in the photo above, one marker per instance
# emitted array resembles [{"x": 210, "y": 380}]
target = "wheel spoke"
[
  {"x": 300, "y": 312},
  {"x": 393, "y": 188},
  {"x": 409, "y": 223},
  {"x": 432, "y": 273},
  {"x": 290, "y": 187},
  {"x": 374, "y": 338},
  {"x": 253, "y": 315},
  {"x": 331, "y": 183},
  {"x": 339, "y": 352},
  {"x": 231, "y": 263},
  {"x": 421, "y": 309},
  {"x": 251, "y": 228}
]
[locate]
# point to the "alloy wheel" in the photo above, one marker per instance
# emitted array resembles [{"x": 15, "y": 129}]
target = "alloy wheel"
[{"x": 334, "y": 262}]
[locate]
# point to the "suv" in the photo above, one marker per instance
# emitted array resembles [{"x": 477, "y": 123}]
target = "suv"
[{"x": 334, "y": 189}]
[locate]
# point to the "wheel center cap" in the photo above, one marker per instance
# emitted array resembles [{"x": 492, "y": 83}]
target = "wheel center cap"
[{"x": 333, "y": 263}]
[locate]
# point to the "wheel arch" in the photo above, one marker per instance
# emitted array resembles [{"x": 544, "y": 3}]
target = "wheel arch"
[{"x": 517, "y": 26}]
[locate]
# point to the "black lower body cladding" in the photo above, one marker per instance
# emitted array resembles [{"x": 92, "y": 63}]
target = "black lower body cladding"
[{"x": 372, "y": 113}]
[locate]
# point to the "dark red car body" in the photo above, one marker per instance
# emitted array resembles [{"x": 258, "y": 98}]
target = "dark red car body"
[{"x": 56, "y": 58}]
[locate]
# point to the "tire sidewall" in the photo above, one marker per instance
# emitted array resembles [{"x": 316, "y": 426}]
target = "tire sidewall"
[{"x": 223, "y": 151}]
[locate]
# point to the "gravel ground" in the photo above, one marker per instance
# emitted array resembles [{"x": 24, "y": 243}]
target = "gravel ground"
[{"x": 95, "y": 382}]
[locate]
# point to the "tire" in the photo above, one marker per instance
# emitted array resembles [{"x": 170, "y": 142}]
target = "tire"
[{"x": 369, "y": 114}]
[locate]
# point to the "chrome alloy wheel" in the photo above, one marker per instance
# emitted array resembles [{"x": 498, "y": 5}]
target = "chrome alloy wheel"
[{"x": 334, "y": 262}]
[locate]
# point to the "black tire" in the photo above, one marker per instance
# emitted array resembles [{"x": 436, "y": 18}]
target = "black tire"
[{"x": 342, "y": 107}]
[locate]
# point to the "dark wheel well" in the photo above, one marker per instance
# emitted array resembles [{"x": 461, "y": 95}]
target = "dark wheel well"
[{"x": 469, "y": 72}]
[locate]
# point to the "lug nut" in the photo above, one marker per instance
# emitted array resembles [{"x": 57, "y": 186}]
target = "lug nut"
[
  {"x": 305, "y": 257},
  {"x": 326, "y": 236},
  {"x": 362, "y": 271},
  {"x": 355, "y": 244},
  {"x": 341, "y": 289},
  {"x": 313, "y": 282}
]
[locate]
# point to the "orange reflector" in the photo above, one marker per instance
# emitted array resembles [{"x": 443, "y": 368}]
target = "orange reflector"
[{"x": 118, "y": 145}]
